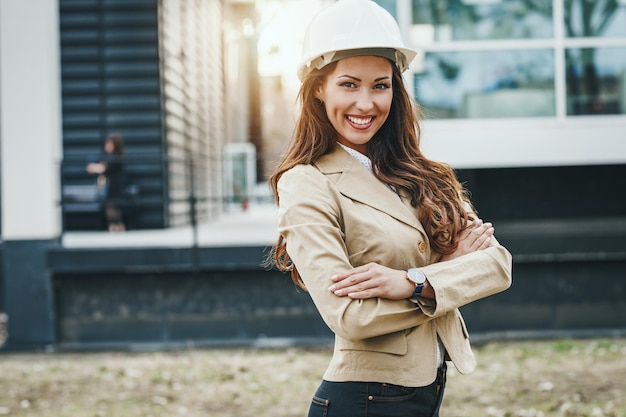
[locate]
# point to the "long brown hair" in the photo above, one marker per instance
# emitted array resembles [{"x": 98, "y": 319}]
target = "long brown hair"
[{"x": 394, "y": 151}]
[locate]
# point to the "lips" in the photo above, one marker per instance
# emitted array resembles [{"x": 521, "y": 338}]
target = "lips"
[{"x": 360, "y": 122}]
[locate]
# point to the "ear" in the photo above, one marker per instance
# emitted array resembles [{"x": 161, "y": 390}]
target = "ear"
[{"x": 319, "y": 95}]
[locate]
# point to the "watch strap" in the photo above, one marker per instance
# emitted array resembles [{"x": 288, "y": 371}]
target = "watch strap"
[{"x": 418, "y": 290}]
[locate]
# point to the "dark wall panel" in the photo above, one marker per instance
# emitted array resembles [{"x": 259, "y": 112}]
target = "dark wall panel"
[
  {"x": 532, "y": 193},
  {"x": 226, "y": 306},
  {"x": 211, "y": 305},
  {"x": 28, "y": 300}
]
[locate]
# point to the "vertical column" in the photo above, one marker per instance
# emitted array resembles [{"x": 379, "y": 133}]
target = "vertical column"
[
  {"x": 560, "y": 89},
  {"x": 30, "y": 151}
]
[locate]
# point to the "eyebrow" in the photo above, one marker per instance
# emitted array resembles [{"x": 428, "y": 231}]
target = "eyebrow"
[{"x": 358, "y": 79}]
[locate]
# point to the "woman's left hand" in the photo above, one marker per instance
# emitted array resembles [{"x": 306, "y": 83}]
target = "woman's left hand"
[{"x": 372, "y": 280}]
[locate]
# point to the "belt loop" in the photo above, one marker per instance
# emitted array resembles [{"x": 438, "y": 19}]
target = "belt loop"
[
  {"x": 441, "y": 373},
  {"x": 441, "y": 376}
]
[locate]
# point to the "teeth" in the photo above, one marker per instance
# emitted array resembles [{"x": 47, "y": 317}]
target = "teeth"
[{"x": 359, "y": 121}]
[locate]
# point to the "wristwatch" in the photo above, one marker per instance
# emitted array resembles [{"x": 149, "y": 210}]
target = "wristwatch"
[{"x": 418, "y": 278}]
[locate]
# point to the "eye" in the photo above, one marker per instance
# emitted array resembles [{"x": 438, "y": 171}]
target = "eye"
[
  {"x": 382, "y": 86},
  {"x": 348, "y": 84}
]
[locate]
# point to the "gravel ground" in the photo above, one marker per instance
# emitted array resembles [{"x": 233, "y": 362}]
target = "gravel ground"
[{"x": 515, "y": 379}]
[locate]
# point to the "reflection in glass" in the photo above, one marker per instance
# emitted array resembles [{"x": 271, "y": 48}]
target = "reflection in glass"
[
  {"x": 487, "y": 84},
  {"x": 598, "y": 18},
  {"x": 461, "y": 20},
  {"x": 596, "y": 81}
]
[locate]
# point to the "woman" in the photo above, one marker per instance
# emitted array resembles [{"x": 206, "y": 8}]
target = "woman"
[
  {"x": 384, "y": 239},
  {"x": 110, "y": 169}
]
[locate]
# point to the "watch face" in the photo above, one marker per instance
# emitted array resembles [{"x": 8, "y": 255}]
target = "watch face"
[{"x": 416, "y": 276}]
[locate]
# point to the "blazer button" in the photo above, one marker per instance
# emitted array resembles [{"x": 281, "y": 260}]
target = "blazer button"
[{"x": 422, "y": 246}]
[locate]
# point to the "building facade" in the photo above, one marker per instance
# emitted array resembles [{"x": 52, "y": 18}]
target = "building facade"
[
  {"x": 525, "y": 99},
  {"x": 158, "y": 72}
]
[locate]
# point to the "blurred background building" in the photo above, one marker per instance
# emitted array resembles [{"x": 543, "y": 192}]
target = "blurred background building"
[{"x": 525, "y": 98}]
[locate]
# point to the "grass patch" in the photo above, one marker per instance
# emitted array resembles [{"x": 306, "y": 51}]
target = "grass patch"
[{"x": 561, "y": 378}]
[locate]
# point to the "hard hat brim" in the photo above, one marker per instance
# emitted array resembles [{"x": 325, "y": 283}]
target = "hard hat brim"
[{"x": 401, "y": 57}]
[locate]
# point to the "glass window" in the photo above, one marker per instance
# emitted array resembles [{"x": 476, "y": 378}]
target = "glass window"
[
  {"x": 461, "y": 20},
  {"x": 598, "y": 18},
  {"x": 596, "y": 80},
  {"x": 485, "y": 84}
]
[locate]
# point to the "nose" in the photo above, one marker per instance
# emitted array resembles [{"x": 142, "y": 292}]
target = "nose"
[{"x": 365, "y": 101}]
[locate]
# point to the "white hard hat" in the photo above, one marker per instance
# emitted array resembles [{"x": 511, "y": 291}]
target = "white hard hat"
[{"x": 352, "y": 27}]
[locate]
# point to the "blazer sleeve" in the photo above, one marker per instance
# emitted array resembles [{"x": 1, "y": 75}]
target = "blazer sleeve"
[
  {"x": 468, "y": 278},
  {"x": 310, "y": 220}
]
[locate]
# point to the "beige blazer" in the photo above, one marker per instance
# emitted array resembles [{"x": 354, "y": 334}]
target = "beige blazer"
[{"x": 335, "y": 215}]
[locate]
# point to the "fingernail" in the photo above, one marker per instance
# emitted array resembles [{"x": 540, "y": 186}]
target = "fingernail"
[{"x": 331, "y": 288}]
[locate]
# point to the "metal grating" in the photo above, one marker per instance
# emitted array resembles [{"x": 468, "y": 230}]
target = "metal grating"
[{"x": 111, "y": 83}]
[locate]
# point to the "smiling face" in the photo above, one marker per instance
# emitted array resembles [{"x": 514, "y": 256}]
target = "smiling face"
[{"x": 357, "y": 96}]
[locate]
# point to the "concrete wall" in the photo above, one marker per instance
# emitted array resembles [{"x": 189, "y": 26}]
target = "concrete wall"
[
  {"x": 30, "y": 143},
  {"x": 561, "y": 284}
]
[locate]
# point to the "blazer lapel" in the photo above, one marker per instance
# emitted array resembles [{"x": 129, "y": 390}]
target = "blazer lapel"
[{"x": 355, "y": 182}]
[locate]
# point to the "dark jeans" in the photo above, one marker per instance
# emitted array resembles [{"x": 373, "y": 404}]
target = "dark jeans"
[{"x": 373, "y": 399}]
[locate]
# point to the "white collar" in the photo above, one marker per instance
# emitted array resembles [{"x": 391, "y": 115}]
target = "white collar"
[{"x": 364, "y": 160}]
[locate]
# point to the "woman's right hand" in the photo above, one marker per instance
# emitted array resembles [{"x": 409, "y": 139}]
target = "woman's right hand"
[{"x": 476, "y": 236}]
